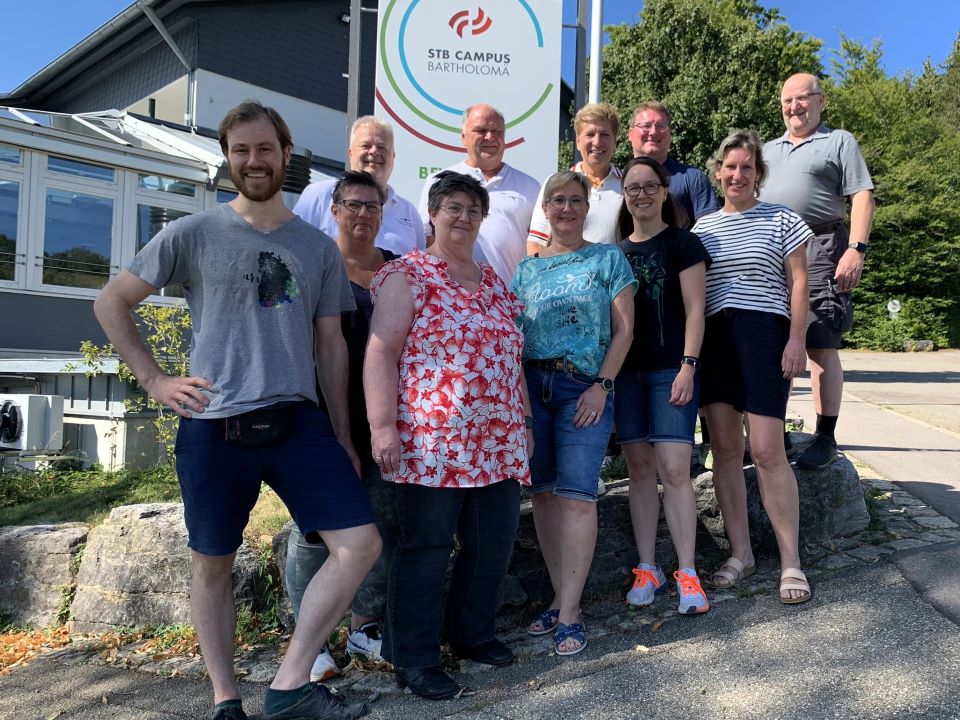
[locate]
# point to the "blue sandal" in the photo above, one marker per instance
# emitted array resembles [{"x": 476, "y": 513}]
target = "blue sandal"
[
  {"x": 549, "y": 619},
  {"x": 573, "y": 631}
]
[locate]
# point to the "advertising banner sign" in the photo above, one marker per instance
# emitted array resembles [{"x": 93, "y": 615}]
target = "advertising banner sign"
[{"x": 435, "y": 58}]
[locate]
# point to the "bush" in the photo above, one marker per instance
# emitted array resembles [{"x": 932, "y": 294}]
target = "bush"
[{"x": 918, "y": 319}]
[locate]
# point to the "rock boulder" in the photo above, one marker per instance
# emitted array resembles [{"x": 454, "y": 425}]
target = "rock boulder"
[
  {"x": 35, "y": 570},
  {"x": 136, "y": 571}
]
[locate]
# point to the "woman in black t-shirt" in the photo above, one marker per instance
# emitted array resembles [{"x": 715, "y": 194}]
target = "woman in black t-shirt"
[{"x": 655, "y": 406}]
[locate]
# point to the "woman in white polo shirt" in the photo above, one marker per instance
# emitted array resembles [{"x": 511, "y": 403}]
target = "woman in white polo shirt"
[{"x": 596, "y": 126}]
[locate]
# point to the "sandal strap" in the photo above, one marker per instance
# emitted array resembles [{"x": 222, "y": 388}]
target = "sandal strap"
[
  {"x": 794, "y": 586},
  {"x": 794, "y": 574},
  {"x": 734, "y": 564},
  {"x": 571, "y": 630}
]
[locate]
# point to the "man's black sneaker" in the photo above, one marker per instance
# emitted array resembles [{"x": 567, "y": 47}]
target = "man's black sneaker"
[
  {"x": 820, "y": 453},
  {"x": 321, "y": 704},
  {"x": 788, "y": 447},
  {"x": 230, "y": 712}
]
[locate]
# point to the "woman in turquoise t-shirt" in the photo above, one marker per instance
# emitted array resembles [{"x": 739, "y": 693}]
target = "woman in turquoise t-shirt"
[{"x": 577, "y": 326}]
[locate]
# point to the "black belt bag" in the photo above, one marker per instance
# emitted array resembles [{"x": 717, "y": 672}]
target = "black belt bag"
[{"x": 262, "y": 427}]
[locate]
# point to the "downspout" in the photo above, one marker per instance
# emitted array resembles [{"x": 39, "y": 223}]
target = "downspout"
[{"x": 189, "y": 118}]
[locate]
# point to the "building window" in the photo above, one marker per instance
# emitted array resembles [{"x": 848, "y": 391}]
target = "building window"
[
  {"x": 9, "y": 200},
  {"x": 9, "y": 155},
  {"x": 78, "y": 235},
  {"x": 151, "y": 219},
  {"x": 225, "y": 196},
  {"x": 80, "y": 169},
  {"x": 158, "y": 183}
]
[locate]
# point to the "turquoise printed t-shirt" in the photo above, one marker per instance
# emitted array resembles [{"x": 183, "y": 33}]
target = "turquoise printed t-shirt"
[{"x": 567, "y": 303}]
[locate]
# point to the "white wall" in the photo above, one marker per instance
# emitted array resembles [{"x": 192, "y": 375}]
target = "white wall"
[
  {"x": 316, "y": 127},
  {"x": 313, "y": 126}
]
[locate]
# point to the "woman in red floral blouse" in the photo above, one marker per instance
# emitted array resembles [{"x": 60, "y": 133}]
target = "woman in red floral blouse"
[{"x": 445, "y": 401}]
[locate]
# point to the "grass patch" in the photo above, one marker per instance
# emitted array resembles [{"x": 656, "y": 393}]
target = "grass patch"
[
  {"x": 80, "y": 495},
  {"x": 873, "y": 497},
  {"x": 267, "y": 518}
]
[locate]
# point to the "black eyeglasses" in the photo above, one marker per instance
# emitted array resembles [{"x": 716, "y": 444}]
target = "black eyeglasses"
[
  {"x": 354, "y": 206},
  {"x": 649, "y": 188},
  {"x": 559, "y": 202}
]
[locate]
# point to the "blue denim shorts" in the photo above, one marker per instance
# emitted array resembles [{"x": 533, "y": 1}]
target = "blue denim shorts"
[
  {"x": 643, "y": 412},
  {"x": 566, "y": 459},
  {"x": 309, "y": 470}
]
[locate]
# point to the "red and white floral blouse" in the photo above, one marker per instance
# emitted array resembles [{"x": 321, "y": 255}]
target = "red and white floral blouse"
[{"x": 460, "y": 409}]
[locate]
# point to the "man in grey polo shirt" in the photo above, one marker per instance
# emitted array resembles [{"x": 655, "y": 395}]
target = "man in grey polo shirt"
[
  {"x": 814, "y": 170},
  {"x": 371, "y": 149}
]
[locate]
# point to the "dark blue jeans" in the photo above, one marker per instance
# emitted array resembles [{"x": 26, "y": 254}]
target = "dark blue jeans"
[{"x": 485, "y": 521}]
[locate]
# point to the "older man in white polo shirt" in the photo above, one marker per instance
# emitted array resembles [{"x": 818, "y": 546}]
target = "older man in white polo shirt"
[
  {"x": 502, "y": 242},
  {"x": 371, "y": 150}
]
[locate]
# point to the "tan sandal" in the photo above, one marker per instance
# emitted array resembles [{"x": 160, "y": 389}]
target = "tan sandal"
[
  {"x": 801, "y": 584},
  {"x": 724, "y": 579}
]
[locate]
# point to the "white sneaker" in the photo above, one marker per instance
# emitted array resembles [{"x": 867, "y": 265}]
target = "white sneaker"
[
  {"x": 324, "y": 667},
  {"x": 366, "y": 641}
]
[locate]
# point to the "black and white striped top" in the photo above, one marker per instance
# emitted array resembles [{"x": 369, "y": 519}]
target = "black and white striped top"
[{"x": 748, "y": 250}]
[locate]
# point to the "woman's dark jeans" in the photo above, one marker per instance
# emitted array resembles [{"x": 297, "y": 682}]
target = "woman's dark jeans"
[{"x": 485, "y": 521}]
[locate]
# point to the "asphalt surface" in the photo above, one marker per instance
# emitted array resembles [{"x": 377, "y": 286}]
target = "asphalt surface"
[
  {"x": 876, "y": 642},
  {"x": 901, "y": 416}
]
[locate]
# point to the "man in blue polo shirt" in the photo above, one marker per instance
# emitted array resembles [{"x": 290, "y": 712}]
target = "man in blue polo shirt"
[
  {"x": 649, "y": 134},
  {"x": 814, "y": 170}
]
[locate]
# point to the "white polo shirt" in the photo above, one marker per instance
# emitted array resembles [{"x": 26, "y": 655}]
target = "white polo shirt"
[
  {"x": 502, "y": 241},
  {"x": 601, "y": 225},
  {"x": 400, "y": 230}
]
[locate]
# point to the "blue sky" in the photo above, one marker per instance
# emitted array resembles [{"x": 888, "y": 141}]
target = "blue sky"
[{"x": 910, "y": 31}]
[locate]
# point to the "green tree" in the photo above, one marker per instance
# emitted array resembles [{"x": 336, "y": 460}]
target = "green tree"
[
  {"x": 166, "y": 331},
  {"x": 717, "y": 64},
  {"x": 913, "y": 152}
]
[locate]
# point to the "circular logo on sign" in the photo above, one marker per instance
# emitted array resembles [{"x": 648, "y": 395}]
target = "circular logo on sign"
[{"x": 451, "y": 55}]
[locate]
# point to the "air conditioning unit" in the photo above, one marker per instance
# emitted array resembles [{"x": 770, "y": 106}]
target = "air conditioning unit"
[{"x": 31, "y": 424}]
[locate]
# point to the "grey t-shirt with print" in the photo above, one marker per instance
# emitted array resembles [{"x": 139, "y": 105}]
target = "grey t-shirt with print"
[{"x": 253, "y": 297}]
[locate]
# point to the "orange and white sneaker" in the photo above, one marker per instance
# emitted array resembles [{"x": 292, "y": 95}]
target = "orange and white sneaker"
[
  {"x": 649, "y": 581},
  {"x": 693, "y": 599},
  {"x": 324, "y": 667}
]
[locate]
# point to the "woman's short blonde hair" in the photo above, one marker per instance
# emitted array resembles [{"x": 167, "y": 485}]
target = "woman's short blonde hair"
[{"x": 597, "y": 112}]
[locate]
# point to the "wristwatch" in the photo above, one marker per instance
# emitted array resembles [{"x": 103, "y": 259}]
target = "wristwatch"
[
  {"x": 691, "y": 361},
  {"x": 605, "y": 383},
  {"x": 858, "y": 246}
]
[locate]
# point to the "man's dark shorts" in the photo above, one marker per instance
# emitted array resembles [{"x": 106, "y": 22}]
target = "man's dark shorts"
[
  {"x": 309, "y": 470},
  {"x": 830, "y": 312},
  {"x": 741, "y": 362}
]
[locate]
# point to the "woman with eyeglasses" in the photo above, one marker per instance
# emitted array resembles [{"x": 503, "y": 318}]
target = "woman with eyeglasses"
[
  {"x": 657, "y": 389},
  {"x": 357, "y": 206},
  {"x": 577, "y": 325},
  {"x": 753, "y": 345},
  {"x": 446, "y": 404}
]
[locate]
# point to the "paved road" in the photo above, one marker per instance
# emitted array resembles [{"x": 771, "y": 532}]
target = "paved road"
[{"x": 901, "y": 416}]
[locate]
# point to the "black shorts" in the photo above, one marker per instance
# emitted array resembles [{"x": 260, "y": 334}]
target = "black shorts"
[
  {"x": 740, "y": 362},
  {"x": 309, "y": 470},
  {"x": 829, "y": 315},
  {"x": 830, "y": 312}
]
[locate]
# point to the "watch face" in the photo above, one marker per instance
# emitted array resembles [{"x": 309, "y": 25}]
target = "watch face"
[{"x": 606, "y": 384}]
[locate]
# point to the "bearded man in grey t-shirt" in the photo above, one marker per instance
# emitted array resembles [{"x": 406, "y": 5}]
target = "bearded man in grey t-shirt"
[{"x": 265, "y": 291}]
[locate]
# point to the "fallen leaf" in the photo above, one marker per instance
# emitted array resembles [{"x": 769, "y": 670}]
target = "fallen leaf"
[{"x": 656, "y": 626}]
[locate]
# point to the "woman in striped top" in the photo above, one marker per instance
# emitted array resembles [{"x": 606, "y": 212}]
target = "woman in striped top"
[{"x": 756, "y": 309}]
